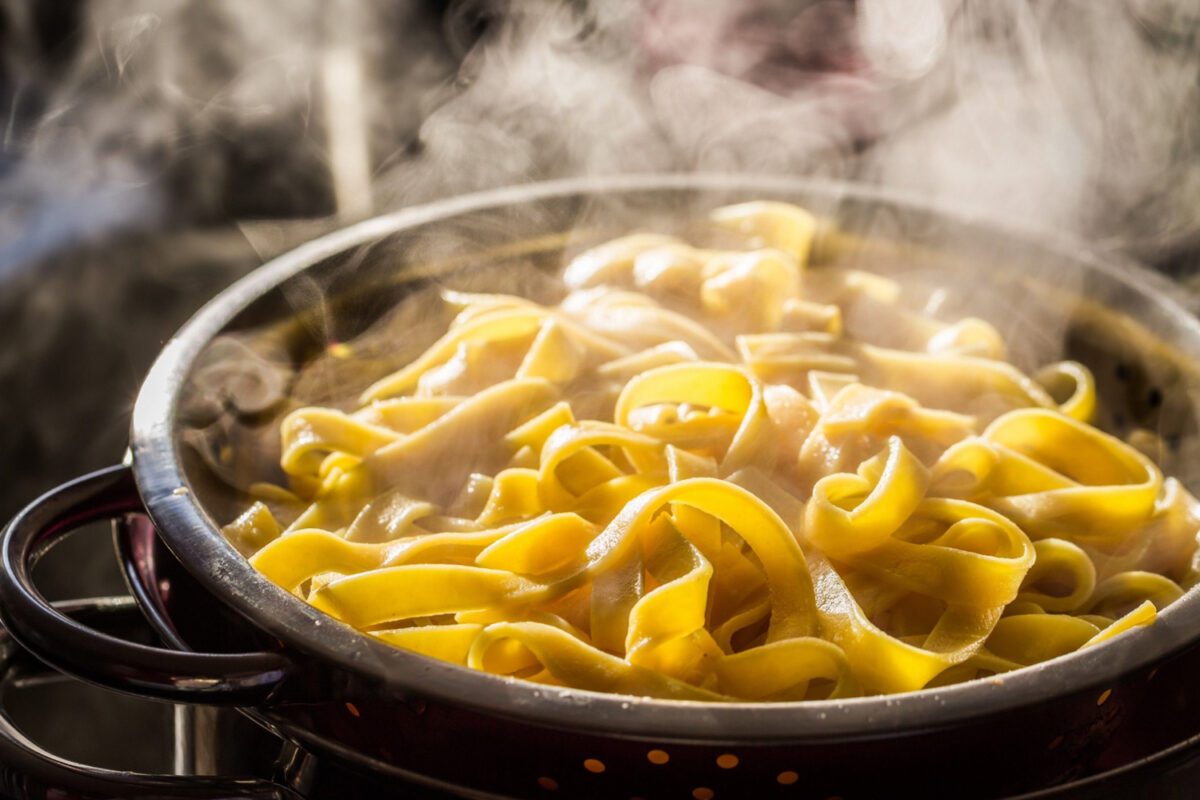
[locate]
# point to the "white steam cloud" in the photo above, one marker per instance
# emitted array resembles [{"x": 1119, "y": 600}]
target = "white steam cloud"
[
  {"x": 1071, "y": 116},
  {"x": 1067, "y": 116}
]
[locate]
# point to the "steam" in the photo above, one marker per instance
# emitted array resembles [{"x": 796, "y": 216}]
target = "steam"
[
  {"x": 546, "y": 93},
  {"x": 159, "y": 114},
  {"x": 1070, "y": 116},
  {"x": 1064, "y": 116}
]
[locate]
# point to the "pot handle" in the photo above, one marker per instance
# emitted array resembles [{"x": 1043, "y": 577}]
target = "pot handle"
[
  {"x": 33, "y": 772},
  {"x": 67, "y": 645}
]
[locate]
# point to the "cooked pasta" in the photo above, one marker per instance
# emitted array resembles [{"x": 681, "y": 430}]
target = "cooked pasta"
[{"x": 686, "y": 481}]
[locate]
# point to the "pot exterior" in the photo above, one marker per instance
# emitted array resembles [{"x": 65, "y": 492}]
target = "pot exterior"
[{"x": 995, "y": 757}]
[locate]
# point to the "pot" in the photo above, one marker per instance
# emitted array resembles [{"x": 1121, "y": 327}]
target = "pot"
[{"x": 337, "y": 693}]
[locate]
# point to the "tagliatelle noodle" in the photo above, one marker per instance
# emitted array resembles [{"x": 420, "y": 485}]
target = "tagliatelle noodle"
[{"x": 687, "y": 481}]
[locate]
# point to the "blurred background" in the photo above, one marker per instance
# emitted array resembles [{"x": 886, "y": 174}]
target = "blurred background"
[{"x": 153, "y": 151}]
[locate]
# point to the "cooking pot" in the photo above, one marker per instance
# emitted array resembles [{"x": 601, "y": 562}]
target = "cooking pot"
[{"x": 346, "y": 696}]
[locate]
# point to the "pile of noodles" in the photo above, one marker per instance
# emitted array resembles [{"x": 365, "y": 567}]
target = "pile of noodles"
[{"x": 684, "y": 481}]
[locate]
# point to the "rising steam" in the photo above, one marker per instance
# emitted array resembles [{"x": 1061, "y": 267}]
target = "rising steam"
[
  {"x": 1071, "y": 116},
  {"x": 1075, "y": 116}
]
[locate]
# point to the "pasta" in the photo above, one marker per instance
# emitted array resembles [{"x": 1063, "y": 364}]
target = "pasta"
[{"x": 687, "y": 481}]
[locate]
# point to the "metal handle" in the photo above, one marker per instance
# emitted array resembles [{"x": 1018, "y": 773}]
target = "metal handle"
[
  {"x": 74, "y": 648},
  {"x": 27, "y": 770}
]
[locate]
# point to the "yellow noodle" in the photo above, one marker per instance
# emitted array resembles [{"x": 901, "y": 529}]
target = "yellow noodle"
[{"x": 686, "y": 481}]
